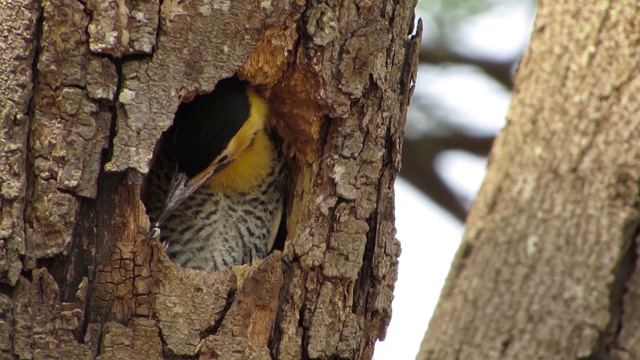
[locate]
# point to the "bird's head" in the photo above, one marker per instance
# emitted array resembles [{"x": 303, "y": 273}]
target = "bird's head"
[{"x": 210, "y": 133}]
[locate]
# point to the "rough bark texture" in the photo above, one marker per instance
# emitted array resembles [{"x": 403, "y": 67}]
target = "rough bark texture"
[
  {"x": 16, "y": 85},
  {"x": 87, "y": 84},
  {"x": 548, "y": 266}
]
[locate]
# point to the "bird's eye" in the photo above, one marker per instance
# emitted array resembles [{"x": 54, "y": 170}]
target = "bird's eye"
[{"x": 223, "y": 159}]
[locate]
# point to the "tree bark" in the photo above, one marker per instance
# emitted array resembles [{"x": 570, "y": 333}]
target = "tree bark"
[
  {"x": 548, "y": 264},
  {"x": 87, "y": 90}
]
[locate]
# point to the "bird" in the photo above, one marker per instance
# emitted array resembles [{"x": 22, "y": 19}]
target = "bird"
[{"x": 215, "y": 189}]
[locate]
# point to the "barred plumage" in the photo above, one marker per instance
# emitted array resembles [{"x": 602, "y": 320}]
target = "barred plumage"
[
  {"x": 225, "y": 224},
  {"x": 212, "y": 230}
]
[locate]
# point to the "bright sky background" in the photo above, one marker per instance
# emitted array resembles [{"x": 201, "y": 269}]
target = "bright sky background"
[{"x": 430, "y": 236}]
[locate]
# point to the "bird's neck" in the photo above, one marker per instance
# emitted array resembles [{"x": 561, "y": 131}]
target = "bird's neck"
[{"x": 249, "y": 169}]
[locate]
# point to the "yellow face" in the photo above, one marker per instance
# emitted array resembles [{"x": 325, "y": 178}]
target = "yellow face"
[
  {"x": 245, "y": 162},
  {"x": 255, "y": 124},
  {"x": 247, "y": 158}
]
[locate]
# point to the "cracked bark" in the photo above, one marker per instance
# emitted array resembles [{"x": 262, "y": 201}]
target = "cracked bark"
[
  {"x": 88, "y": 88},
  {"x": 548, "y": 266}
]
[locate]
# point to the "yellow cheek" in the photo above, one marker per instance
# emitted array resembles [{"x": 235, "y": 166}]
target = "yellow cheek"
[
  {"x": 248, "y": 169},
  {"x": 250, "y": 151}
]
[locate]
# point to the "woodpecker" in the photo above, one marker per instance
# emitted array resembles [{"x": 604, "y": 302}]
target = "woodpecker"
[{"x": 215, "y": 189}]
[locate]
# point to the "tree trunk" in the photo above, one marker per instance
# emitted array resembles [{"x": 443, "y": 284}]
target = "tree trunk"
[
  {"x": 548, "y": 268},
  {"x": 96, "y": 83}
]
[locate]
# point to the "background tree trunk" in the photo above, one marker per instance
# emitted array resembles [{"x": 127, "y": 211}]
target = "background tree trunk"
[
  {"x": 548, "y": 266},
  {"x": 90, "y": 84}
]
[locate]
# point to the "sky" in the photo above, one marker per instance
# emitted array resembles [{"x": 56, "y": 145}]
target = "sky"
[
  {"x": 428, "y": 235},
  {"x": 429, "y": 238}
]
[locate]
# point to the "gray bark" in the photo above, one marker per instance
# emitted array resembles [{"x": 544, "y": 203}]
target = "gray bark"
[
  {"x": 548, "y": 268},
  {"x": 87, "y": 90}
]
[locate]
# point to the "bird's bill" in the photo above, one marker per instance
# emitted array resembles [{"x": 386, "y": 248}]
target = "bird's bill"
[{"x": 180, "y": 189}]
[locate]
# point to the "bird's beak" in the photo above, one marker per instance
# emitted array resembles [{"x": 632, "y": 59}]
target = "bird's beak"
[{"x": 181, "y": 188}]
